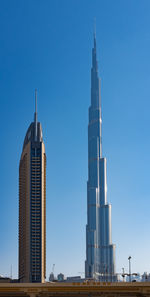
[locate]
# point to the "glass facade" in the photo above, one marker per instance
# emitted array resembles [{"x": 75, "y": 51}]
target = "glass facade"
[{"x": 35, "y": 214}]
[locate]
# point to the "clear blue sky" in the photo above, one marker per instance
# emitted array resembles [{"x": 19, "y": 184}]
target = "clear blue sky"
[{"x": 47, "y": 45}]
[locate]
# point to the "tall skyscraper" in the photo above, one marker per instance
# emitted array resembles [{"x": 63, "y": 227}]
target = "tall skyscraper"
[
  {"x": 100, "y": 252},
  {"x": 32, "y": 205}
]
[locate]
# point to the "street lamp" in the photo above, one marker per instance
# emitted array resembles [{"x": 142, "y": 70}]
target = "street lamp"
[{"x": 129, "y": 258}]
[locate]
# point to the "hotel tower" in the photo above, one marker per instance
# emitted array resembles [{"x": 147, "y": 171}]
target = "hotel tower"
[
  {"x": 32, "y": 206},
  {"x": 100, "y": 252}
]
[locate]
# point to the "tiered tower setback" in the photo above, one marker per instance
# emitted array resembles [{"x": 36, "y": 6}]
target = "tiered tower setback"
[{"x": 100, "y": 252}]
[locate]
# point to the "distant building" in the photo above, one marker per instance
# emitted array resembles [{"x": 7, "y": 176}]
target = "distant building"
[
  {"x": 60, "y": 277},
  {"x": 51, "y": 277},
  {"x": 5, "y": 279},
  {"x": 145, "y": 277},
  {"x": 32, "y": 206},
  {"x": 71, "y": 279}
]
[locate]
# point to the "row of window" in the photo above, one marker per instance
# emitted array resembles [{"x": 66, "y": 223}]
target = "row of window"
[
  {"x": 36, "y": 179},
  {"x": 36, "y": 201},
  {"x": 35, "y": 193},
  {"x": 34, "y": 218},
  {"x": 35, "y": 166},
  {"x": 35, "y": 225},
  {"x": 35, "y": 250}
]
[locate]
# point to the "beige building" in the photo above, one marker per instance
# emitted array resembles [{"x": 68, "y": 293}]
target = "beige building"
[
  {"x": 32, "y": 206},
  {"x": 86, "y": 289}
]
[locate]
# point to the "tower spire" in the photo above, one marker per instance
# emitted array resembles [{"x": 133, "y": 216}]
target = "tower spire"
[
  {"x": 94, "y": 57},
  {"x": 94, "y": 35},
  {"x": 35, "y": 116},
  {"x": 95, "y": 91},
  {"x": 95, "y": 28}
]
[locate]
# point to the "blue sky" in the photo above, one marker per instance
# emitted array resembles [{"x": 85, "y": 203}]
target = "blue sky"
[{"x": 47, "y": 45}]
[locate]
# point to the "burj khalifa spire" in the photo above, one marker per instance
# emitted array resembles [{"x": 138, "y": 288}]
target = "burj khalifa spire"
[{"x": 100, "y": 252}]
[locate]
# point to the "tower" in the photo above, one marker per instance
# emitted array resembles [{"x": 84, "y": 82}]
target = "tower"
[
  {"x": 32, "y": 205},
  {"x": 100, "y": 252}
]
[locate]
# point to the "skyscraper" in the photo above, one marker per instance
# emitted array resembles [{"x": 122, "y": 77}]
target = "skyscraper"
[
  {"x": 32, "y": 205},
  {"x": 100, "y": 252}
]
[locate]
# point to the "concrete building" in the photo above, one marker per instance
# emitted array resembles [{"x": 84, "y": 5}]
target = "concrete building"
[
  {"x": 145, "y": 277},
  {"x": 100, "y": 252},
  {"x": 32, "y": 206}
]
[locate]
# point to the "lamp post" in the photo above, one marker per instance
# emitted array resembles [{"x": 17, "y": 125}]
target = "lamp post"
[
  {"x": 129, "y": 258},
  {"x": 123, "y": 274}
]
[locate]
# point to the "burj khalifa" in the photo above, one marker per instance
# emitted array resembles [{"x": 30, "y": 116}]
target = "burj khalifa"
[{"x": 100, "y": 252}]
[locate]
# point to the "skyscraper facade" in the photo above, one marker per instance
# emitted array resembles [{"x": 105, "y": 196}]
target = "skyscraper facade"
[
  {"x": 100, "y": 252},
  {"x": 32, "y": 206}
]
